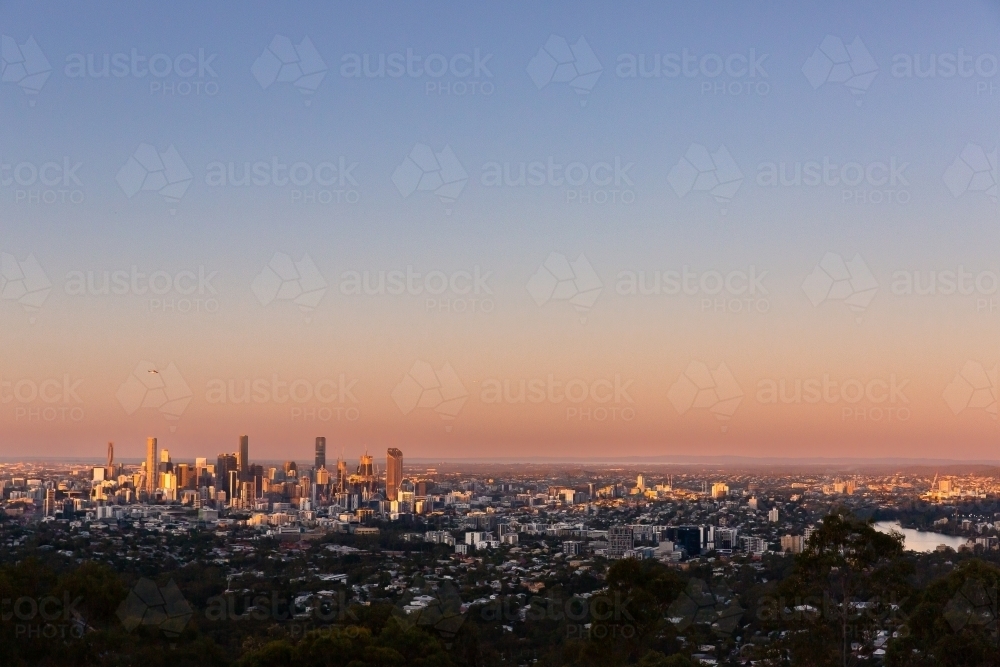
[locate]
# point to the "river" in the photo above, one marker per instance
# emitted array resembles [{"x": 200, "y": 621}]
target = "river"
[{"x": 919, "y": 540}]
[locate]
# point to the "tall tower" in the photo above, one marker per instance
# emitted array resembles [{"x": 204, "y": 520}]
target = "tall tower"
[
  {"x": 393, "y": 473},
  {"x": 365, "y": 477},
  {"x": 320, "y": 452},
  {"x": 151, "y": 467},
  {"x": 243, "y": 458},
  {"x": 111, "y": 455},
  {"x": 341, "y": 475}
]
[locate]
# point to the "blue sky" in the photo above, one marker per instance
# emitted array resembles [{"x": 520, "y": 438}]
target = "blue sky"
[{"x": 905, "y": 132}]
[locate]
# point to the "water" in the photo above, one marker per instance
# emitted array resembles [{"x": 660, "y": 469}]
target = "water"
[{"x": 919, "y": 540}]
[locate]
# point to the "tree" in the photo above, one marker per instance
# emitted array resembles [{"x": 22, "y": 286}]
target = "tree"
[
  {"x": 842, "y": 591},
  {"x": 954, "y": 622}
]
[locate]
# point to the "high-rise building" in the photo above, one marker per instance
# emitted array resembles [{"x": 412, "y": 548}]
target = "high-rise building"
[
  {"x": 720, "y": 490},
  {"x": 243, "y": 458},
  {"x": 151, "y": 468},
  {"x": 185, "y": 476},
  {"x": 320, "y": 453},
  {"x": 792, "y": 543},
  {"x": 365, "y": 480},
  {"x": 620, "y": 540},
  {"x": 111, "y": 455},
  {"x": 640, "y": 483},
  {"x": 49, "y": 506},
  {"x": 342, "y": 475},
  {"x": 691, "y": 538},
  {"x": 393, "y": 473},
  {"x": 226, "y": 474},
  {"x": 200, "y": 467},
  {"x": 772, "y": 515}
]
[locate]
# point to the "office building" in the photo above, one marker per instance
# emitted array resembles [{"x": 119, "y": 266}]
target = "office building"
[
  {"x": 320, "y": 461},
  {"x": 691, "y": 538},
  {"x": 225, "y": 466},
  {"x": 49, "y": 505},
  {"x": 243, "y": 457},
  {"x": 727, "y": 539},
  {"x": 753, "y": 545},
  {"x": 151, "y": 468},
  {"x": 365, "y": 480},
  {"x": 620, "y": 540},
  {"x": 393, "y": 473},
  {"x": 792, "y": 543},
  {"x": 340, "y": 483}
]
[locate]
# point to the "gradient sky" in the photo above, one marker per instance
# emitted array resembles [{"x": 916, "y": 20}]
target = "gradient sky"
[{"x": 932, "y": 216}]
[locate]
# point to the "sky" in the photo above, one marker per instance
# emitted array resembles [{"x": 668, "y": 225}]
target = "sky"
[{"x": 500, "y": 229}]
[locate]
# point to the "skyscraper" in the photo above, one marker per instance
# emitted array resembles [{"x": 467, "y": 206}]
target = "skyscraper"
[
  {"x": 342, "y": 476},
  {"x": 243, "y": 457},
  {"x": 224, "y": 465},
  {"x": 365, "y": 480},
  {"x": 320, "y": 453},
  {"x": 111, "y": 455},
  {"x": 151, "y": 467},
  {"x": 393, "y": 473}
]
